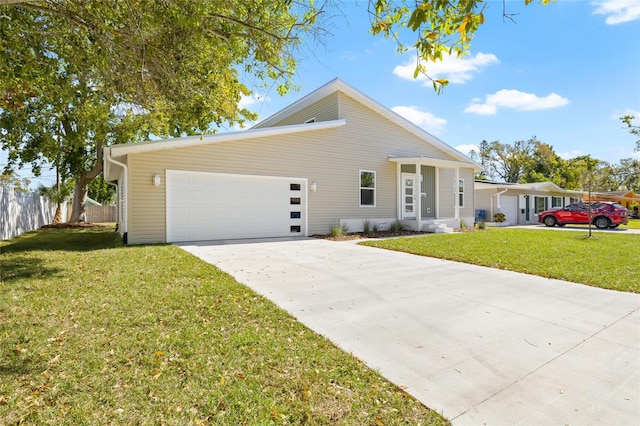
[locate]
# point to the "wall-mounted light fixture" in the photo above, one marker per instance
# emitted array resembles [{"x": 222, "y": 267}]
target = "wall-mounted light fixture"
[
  {"x": 156, "y": 180},
  {"x": 314, "y": 187}
]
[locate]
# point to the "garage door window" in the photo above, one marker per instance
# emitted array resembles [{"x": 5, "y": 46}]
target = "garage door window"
[{"x": 367, "y": 188}]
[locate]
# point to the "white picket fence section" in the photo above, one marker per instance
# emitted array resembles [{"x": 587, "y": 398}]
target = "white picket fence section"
[{"x": 20, "y": 213}]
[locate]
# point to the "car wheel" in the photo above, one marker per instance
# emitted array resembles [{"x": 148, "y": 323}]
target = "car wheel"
[
  {"x": 550, "y": 221},
  {"x": 614, "y": 226},
  {"x": 601, "y": 222}
]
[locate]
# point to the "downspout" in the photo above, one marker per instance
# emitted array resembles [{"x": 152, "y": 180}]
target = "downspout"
[
  {"x": 125, "y": 221},
  {"x": 117, "y": 214},
  {"x": 497, "y": 194}
]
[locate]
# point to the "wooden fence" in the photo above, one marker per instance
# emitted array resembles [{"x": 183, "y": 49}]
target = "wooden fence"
[{"x": 100, "y": 214}]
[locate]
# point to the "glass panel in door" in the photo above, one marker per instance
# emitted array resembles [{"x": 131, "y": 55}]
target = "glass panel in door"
[{"x": 408, "y": 196}]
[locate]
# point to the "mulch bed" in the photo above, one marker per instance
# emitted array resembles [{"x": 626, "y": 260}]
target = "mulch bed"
[{"x": 361, "y": 235}]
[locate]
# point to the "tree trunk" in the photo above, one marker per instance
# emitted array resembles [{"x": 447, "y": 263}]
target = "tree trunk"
[
  {"x": 57, "y": 218},
  {"x": 81, "y": 190},
  {"x": 80, "y": 194}
]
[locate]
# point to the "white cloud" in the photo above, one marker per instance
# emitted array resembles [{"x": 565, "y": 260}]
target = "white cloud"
[
  {"x": 517, "y": 100},
  {"x": 466, "y": 149},
  {"x": 452, "y": 68},
  {"x": 617, "y": 11},
  {"x": 571, "y": 154},
  {"x": 426, "y": 120},
  {"x": 252, "y": 99}
]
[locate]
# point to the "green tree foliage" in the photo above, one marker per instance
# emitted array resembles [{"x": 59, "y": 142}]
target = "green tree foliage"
[
  {"x": 629, "y": 174},
  {"x": 510, "y": 163},
  {"x": 79, "y": 75},
  {"x": 441, "y": 27},
  {"x": 634, "y": 129},
  {"x": 101, "y": 191}
]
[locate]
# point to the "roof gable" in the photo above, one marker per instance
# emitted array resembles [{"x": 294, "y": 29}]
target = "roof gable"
[{"x": 337, "y": 85}]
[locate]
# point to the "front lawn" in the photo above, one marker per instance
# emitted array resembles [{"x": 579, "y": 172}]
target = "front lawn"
[
  {"x": 606, "y": 260},
  {"x": 93, "y": 332},
  {"x": 633, "y": 224}
]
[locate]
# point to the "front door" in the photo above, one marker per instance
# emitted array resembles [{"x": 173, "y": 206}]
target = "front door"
[{"x": 408, "y": 196}]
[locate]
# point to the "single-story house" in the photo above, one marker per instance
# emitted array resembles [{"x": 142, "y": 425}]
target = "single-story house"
[
  {"x": 625, "y": 198},
  {"x": 520, "y": 202},
  {"x": 334, "y": 157}
]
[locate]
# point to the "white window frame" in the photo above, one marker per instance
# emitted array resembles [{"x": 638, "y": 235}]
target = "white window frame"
[
  {"x": 559, "y": 199},
  {"x": 460, "y": 192},
  {"x": 360, "y": 188}
]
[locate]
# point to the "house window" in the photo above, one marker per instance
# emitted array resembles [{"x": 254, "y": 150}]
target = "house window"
[
  {"x": 541, "y": 204},
  {"x": 461, "y": 192},
  {"x": 367, "y": 188},
  {"x": 556, "y": 201}
]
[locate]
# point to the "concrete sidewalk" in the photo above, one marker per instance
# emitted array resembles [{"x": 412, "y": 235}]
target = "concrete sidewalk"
[{"x": 480, "y": 345}]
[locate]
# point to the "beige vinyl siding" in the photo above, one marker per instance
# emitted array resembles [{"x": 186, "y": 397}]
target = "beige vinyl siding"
[
  {"x": 482, "y": 200},
  {"x": 331, "y": 158},
  {"x": 371, "y": 131},
  {"x": 468, "y": 209},
  {"x": 324, "y": 110},
  {"x": 446, "y": 193}
]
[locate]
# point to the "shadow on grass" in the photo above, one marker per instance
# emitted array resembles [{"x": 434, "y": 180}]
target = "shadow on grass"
[
  {"x": 24, "y": 267},
  {"x": 70, "y": 239}
]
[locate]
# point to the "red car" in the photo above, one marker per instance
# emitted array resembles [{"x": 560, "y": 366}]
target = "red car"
[{"x": 603, "y": 215}]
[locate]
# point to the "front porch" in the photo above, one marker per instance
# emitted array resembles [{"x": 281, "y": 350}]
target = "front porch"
[{"x": 434, "y": 195}]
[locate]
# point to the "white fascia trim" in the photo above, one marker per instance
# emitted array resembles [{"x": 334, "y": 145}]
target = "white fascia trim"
[{"x": 147, "y": 146}]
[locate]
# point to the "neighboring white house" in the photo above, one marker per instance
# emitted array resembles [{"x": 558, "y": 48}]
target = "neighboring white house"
[
  {"x": 334, "y": 157},
  {"x": 520, "y": 202}
]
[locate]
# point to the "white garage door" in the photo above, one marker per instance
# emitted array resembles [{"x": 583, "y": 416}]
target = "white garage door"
[
  {"x": 215, "y": 206},
  {"x": 509, "y": 206}
]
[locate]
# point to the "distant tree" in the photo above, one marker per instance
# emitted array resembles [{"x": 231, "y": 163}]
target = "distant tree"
[
  {"x": 629, "y": 174},
  {"x": 507, "y": 162},
  {"x": 11, "y": 180},
  {"x": 544, "y": 165},
  {"x": 634, "y": 129}
]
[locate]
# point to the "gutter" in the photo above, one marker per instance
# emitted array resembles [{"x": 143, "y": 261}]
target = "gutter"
[{"x": 125, "y": 221}]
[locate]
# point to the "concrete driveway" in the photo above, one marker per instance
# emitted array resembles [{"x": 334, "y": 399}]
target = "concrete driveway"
[{"x": 479, "y": 345}]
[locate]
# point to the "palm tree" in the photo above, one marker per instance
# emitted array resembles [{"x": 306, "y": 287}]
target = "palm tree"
[{"x": 56, "y": 194}]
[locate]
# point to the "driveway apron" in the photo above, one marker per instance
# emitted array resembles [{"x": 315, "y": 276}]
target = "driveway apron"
[{"x": 479, "y": 345}]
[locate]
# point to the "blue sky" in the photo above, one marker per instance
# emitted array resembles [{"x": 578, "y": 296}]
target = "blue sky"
[{"x": 563, "y": 73}]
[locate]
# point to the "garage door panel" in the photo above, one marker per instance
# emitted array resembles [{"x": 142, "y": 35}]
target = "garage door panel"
[
  {"x": 509, "y": 206},
  {"x": 209, "y": 206}
]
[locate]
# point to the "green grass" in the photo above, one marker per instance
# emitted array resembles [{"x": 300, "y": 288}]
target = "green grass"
[
  {"x": 606, "y": 260},
  {"x": 93, "y": 332},
  {"x": 633, "y": 224}
]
